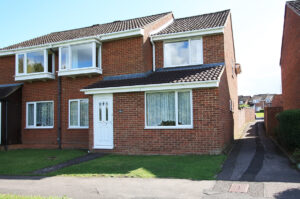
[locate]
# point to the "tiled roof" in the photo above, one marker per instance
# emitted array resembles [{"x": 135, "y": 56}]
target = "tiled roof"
[
  {"x": 94, "y": 30},
  {"x": 295, "y": 5},
  {"x": 211, "y": 20},
  {"x": 171, "y": 75}
]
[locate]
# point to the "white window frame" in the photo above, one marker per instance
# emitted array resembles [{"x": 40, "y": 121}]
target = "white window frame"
[
  {"x": 37, "y": 75},
  {"x": 78, "y": 119},
  {"x": 45, "y": 51},
  {"x": 190, "y": 59},
  {"x": 94, "y": 56},
  {"x": 34, "y": 115},
  {"x": 177, "y": 126}
]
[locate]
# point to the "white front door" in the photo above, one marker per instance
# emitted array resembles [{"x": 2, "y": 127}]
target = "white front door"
[{"x": 103, "y": 121}]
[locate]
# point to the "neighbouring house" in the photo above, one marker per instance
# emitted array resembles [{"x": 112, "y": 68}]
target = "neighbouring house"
[
  {"x": 244, "y": 100},
  {"x": 259, "y": 102},
  {"x": 149, "y": 85},
  {"x": 290, "y": 56}
]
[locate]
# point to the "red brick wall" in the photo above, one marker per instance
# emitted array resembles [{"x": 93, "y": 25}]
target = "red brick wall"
[
  {"x": 270, "y": 119},
  {"x": 123, "y": 56},
  {"x": 277, "y": 101},
  {"x": 147, "y": 50},
  {"x": 130, "y": 137},
  {"x": 213, "y": 50},
  {"x": 246, "y": 115},
  {"x": 290, "y": 61},
  {"x": 229, "y": 54},
  {"x": 226, "y": 120},
  {"x": 7, "y": 68}
]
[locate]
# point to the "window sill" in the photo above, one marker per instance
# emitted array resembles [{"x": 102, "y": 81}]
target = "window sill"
[
  {"x": 72, "y": 128},
  {"x": 34, "y": 76},
  {"x": 39, "y": 127},
  {"x": 80, "y": 71},
  {"x": 183, "y": 65},
  {"x": 169, "y": 127}
]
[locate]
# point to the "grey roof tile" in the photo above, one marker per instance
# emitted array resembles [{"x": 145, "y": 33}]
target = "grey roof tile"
[
  {"x": 205, "y": 21},
  {"x": 94, "y": 30},
  {"x": 175, "y": 75},
  {"x": 295, "y": 5}
]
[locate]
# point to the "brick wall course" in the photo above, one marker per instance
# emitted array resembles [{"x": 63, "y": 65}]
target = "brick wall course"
[{"x": 290, "y": 61}]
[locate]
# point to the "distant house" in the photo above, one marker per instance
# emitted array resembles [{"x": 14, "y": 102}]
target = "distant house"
[
  {"x": 261, "y": 101},
  {"x": 290, "y": 56},
  {"x": 244, "y": 100}
]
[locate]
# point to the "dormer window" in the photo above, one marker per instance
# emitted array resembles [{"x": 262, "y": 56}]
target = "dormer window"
[
  {"x": 183, "y": 53},
  {"x": 80, "y": 59},
  {"x": 35, "y": 65}
]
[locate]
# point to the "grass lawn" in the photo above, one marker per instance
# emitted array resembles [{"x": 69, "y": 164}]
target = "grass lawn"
[
  {"x": 9, "y": 196},
  {"x": 260, "y": 115},
  {"x": 23, "y": 162},
  {"x": 196, "y": 167}
]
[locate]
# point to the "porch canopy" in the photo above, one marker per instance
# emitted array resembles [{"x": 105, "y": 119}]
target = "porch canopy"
[{"x": 8, "y": 89}]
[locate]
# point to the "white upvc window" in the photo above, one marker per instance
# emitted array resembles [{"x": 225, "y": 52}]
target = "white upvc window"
[
  {"x": 169, "y": 110},
  {"x": 40, "y": 114},
  {"x": 79, "y": 59},
  {"x": 79, "y": 113},
  {"x": 38, "y": 64},
  {"x": 183, "y": 52}
]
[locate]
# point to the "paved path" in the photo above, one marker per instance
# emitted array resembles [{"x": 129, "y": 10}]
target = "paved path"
[
  {"x": 259, "y": 164},
  {"x": 255, "y": 165},
  {"x": 88, "y": 157},
  {"x": 97, "y": 187}
]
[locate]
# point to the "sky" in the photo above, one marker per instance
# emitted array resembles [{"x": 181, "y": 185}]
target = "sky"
[{"x": 257, "y": 27}]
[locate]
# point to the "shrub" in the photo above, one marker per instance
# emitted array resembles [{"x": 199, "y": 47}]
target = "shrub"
[{"x": 289, "y": 128}]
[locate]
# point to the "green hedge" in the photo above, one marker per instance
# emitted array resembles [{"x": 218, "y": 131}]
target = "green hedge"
[{"x": 289, "y": 128}]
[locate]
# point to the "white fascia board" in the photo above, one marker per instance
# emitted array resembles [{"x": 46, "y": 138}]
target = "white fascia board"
[
  {"x": 96, "y": 38},
  {"x": 208, "y": 31},
  {"x": 50, "y": 45},
  {"x": 122, "y": 34},
  {"x": 152, "y": 87}
]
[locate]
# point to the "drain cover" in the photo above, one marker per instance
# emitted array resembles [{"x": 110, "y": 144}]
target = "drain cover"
[{"x": 239, "y": 188}]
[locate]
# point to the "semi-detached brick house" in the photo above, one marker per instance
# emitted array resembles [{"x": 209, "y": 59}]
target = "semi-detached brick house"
[
  {"x": 149, "y": 85},
  {"x": 290, "y": 56}
]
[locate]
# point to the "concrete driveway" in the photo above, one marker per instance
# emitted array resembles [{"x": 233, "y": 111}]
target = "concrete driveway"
[
  {"x": 258, "y": 164},
  {"x": 256, "y": 168}
]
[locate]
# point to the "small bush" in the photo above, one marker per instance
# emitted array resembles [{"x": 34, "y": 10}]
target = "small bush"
[
  {"x": 289, "y": 128},
  {"x": 262, "y": 111},
  {"x": 296, "y": 155}
]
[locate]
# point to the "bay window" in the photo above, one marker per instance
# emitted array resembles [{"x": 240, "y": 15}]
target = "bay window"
[
  {"x": 183, "y": 53},
  {"x": 169, "y": 109},
  {"x": 35, "y": 65},
  {"x": 39, "y": 114},
  {"x": 79, "y": 113},
  {"x": 80, "y": 59}
]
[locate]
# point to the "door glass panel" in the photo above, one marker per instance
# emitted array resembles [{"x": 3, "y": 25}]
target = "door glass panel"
[
  {"x": 106, "y": 111},
  {"x": 100, "y": 111}
]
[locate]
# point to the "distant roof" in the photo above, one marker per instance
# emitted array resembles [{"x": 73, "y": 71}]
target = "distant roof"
[
  {"x": 205, "y": 21},
  {"x": 244, "y": 98},
  {"x": 295, "y": 5},
  {"x": 94, "y": 30},
  {"x": 199, "y": 73}
]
